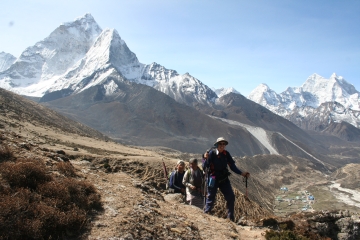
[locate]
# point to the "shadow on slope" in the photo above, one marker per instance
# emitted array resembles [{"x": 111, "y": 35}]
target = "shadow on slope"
[{"x": 344, "y": 130}]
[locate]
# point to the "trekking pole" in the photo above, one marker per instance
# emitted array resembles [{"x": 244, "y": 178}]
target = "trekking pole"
[
  {"x": 245, "y": 179},
  {"x": 165, "y": 171},
  {"x": 205, "y": 188},
  {"x": 246, "y": 187},
  {"x": 246, "y": 196},
  {"x": 165, "y": 174}
]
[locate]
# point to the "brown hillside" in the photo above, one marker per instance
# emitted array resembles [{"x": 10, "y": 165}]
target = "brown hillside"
[
  {"x": 348, "y": 176},
  {"x": 14, "y": 107}
]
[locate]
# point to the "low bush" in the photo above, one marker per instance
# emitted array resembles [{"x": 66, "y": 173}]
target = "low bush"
[
  {"x": 283, "y": 235},
  {"x": 35, "y": 205},
  {"x": 24, "y": 173},
  {"x": 5, "y": 153},
  {"x": 66, "y": 168}
]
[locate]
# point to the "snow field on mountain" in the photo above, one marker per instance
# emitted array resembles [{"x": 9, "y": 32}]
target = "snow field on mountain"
[{"x": 259, "y": 133}]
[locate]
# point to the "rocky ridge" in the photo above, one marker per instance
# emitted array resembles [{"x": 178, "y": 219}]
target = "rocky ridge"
[{"x": 6, "y": 59}]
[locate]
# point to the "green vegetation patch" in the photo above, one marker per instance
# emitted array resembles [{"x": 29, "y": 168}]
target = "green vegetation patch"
[
  {"x": 283, "y": 235},
  {"x": 325, "y": 200}
]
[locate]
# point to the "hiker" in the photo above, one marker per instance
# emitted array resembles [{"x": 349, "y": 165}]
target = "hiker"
[
  {"x": 217, "y": 161},
  {"x": 193, "y": 180},
  {"x": 177, "y": 177}
]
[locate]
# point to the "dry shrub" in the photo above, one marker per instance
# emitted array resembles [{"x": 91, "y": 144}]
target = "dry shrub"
[
  {"x": 71, "y": 192},
  {"x": 83, "y": 194},
  {"x": 34, "y": 205},
  {"x": 5, "y": 153},
  {"x": 243, "y": 207},
  {"x": 66, "y": 168},
  {"x": 26, "y": 216},
  {"x": 279, "y": 235},
  {"x": 24, "y": 173}
]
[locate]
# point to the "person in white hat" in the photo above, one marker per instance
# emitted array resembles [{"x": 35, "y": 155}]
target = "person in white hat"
[{"x": 218, "y": 176}]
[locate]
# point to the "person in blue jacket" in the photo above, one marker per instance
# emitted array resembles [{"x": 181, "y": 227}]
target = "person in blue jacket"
[
  {"x": 216, "y": 161},
  {"x": 176, "y": 178}
]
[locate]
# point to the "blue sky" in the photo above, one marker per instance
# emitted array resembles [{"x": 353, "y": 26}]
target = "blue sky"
[{"x": 225, "y": 43}]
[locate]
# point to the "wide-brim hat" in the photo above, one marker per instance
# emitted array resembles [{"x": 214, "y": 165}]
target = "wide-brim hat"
[{"x": 221, "y": 139}]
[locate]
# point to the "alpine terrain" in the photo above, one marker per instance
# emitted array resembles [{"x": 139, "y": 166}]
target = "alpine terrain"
[
  {"x": 91, "y": 75},
  {"x": 128, "y": 118},
  {"x": 61, "y": 179}
]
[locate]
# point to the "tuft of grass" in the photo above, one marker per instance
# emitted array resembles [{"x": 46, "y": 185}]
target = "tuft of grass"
[{"x": 66, "y": 168}]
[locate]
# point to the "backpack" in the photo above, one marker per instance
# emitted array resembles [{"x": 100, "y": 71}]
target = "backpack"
[{"x": 188, "y": 174}]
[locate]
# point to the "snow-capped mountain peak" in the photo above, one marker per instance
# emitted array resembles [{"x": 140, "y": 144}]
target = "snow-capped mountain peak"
[
  {"x": 336, "y": 88},
  {"x": 264, "y": 94},
  {"x": 78, "y": 54},
  {"x": 87, "y": 22},
  {"x": 109, "y": 52},
  {"x": 223, "y": 91},
  {"x": 334, "y": 75},
  {"x": 109, "y": 48},
  {"x": 301, "y": 102},
  {"x": 50, "y": 57}
]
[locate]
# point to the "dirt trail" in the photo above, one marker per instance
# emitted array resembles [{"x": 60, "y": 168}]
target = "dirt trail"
[{"x": 124, "y": 197}]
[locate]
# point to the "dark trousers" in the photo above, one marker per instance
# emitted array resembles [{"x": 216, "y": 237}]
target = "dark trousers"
[{"x": 226, "y": 189}]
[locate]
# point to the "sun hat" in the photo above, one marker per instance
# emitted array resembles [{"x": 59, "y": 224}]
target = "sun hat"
[{"x": 221, "y": 139}]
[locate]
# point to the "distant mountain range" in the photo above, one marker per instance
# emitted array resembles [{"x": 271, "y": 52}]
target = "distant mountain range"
[
  {"x": 90, "y": 75},
  {"x": 318, "y": 104}
]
